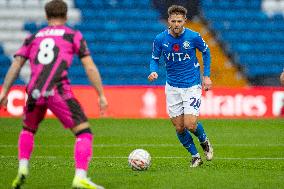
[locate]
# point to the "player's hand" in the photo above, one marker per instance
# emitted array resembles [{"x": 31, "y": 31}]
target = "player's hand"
[
  {"x": 103, "y": 104},
  {"x": 207, "y": 83},
  {"x": 282, "y": 78},
  {"x": 3, "y": 102},
  {"x": 153, "y": 76}
]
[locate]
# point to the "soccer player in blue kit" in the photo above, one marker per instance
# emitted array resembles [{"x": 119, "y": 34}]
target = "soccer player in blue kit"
[{"x": 183, "y": 87}]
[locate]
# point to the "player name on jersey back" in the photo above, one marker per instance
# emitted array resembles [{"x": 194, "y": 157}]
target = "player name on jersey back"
[{"x": 51, "y": 32}]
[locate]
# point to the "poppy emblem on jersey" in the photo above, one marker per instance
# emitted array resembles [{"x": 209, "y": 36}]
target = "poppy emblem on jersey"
[
  {"x": 186, "y": 45},
  {"x": 176, "y": 47}
]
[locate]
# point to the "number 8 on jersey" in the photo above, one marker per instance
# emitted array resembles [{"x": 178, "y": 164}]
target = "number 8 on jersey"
[{"x": 46, "y": 55}]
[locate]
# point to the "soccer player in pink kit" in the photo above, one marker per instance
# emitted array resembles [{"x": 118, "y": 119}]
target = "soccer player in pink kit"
[{"x": 50, "y": 52}]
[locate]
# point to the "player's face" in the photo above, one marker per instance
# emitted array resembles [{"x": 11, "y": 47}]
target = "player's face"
[{"x": 176, "y": 23}]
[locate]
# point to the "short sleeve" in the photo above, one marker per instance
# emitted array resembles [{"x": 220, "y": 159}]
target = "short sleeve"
[
  {"x": 81, "y": 48},
  {"x": 24, "y": 50}
]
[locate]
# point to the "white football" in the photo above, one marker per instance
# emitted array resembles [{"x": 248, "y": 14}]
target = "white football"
[{"x": 139, "y": 160}]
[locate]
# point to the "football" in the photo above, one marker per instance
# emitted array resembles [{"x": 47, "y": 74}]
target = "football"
[{"x": 139, "y": 160}]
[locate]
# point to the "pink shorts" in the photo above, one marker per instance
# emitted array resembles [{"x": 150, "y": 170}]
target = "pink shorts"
[{"x": 63, "y": 105}]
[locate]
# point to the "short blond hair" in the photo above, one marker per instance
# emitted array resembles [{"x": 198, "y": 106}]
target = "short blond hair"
[{"x": 177, "y": 9}]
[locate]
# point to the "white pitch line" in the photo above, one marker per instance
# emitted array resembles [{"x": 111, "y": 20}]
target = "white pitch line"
[
  {"x": 250, "y": 158},
  {"x": 155, "y": 157},
  {"x": 141, "y": 145}
]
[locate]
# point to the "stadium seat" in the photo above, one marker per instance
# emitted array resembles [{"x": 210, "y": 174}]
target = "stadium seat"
[
  {"x": 120, "y": 43},
  {"x": 30, "y": 26},
  {"x": 254, "y": 38},
  {"x": 3, "y": 3},
  {"x": 18, "y": 18},
  {"x": 16, "y": 3}
]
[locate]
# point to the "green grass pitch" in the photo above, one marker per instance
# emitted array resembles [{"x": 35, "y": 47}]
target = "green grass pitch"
[{"x": 248, "y": 154}]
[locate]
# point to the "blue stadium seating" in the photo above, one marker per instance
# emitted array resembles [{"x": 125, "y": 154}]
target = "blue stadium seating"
[
  {"x": 31, "y": 27},
  {"x": 5, "y": 63},
  {"x": 120, "y": 36},
  {"x": 1, "y": 50},
  {"x": 255, "y": 40}
]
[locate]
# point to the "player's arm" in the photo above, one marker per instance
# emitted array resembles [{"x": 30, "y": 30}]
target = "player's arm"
[
  {"x": 10, "y": 77},
  {"x": 154, "y": 63},
  {"x": 95, "y": 79},
  {"x": 80, "y": 46},
  {"x": 203, "y": 48}
]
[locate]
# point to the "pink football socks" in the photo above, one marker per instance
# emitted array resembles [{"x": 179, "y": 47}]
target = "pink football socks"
[
  {"x": 83, "y": 150},
  {"x": 25, "y": 144}
]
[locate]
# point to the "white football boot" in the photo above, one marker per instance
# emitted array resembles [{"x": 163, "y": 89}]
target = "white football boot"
[
  {"x": 208, "y": 149},
  {"x": 84, "y": 183},
  {"x": 196, "y": 161}
]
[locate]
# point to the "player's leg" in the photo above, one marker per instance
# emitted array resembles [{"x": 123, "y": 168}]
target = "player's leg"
[
  {"x": 204, "y": 141},
  {"x": 83, "y": 155},
  {"x": 176, "y": 113},
  {"x": 191, "y": 109},
  {"x": 185, "y": 138},
  {"x": 33, "y": 115},
  {"x": 25, "y": 148},
  {"x": 198, "y": 131},
  {"x": 75, "y": 119},
  {"x": 190, "y": 122}
]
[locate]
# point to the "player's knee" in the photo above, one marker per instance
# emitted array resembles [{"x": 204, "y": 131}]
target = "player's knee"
[
  {"x": 80, "y": 127},
  {"x": 179, "y": 129},
  {"x": 191, "y": 126}
]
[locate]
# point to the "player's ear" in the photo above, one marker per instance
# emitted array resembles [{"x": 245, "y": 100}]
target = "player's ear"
[{"x": 169, "y": 21}]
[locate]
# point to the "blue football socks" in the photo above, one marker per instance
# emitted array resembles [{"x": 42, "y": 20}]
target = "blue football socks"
[
  {"x": 187, "y": 141},
  {"x": 200, "y": 133}
]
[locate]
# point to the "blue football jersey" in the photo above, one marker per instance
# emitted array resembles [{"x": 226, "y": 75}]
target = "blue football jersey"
[{"x": 179, "y": 54}]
